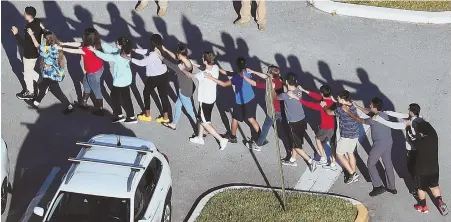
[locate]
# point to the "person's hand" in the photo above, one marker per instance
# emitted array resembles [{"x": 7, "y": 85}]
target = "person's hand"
[
  {"x": 125, "y": 56},
  {"x": 30, "y": 32},
  {"x": 181, "y": 66},
  {"x": 59, "y": 47},
  {"x": 208, "y": 75},
  {"x": 333, "y": 99},
  {"x": 345, "y": 108},
  {"x": 407, "y": 123},
  {"x": 90, "y": 48},
  {"x": 323, "y": 104},
  {"x": 14, "y": 30},
  {"x": 249, "y": 70},
  {"x": 292, "y": 95},
  {"x": 194, "y": 63},
  {"x": 300, "y": 88}
]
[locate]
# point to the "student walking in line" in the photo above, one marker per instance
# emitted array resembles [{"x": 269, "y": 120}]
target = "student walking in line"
[
  {"x": 162, "y": 6},
  {"x": 426, "y": 168},
  {"x": 30, "y": 53},
  {"x": 207, "y": 97},
  {"x": 245, "y": 13},
  {"x": 52, "y": 68},
  {"x": 381, "y": 148},
  {"x": 295, "y": 117},
  {"x": 413, "y": 118},
  {"x": 93, "y": 66},
  {"x": 157, "y": 77},
  {"x": 277, "y": 84},
  {"x": 349, "y": 135},
  {"x": 326, "y": 129},
  {"x": 186, "y": 84},
  {"x": 245, "y": 103},
  {"x": 122, "y": 77}
]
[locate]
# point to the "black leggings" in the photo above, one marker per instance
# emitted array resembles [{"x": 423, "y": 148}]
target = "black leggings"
[
  {"x": 54, "y": 89},
  {"x": 122, "y": 94},
  {"x": 161, "y": 82}
]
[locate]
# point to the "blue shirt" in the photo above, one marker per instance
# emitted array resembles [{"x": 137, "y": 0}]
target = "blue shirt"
[
  {"x": 243, "y": 90},
  {"x": 349, "y": 128}
]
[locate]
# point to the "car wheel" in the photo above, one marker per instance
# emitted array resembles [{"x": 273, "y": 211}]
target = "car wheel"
[
  {"x": 167, "y": 211},
  {"x": 4, "y": 194}
]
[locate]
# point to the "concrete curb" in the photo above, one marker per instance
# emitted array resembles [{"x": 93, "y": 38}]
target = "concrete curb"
[
  {"x": 373, "y": 12},
  {"x": 362, "y": 212}
]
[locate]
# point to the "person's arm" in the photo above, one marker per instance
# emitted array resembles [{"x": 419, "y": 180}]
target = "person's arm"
[
  {"x": 250, "y": 81},
  {"x": 19, "y": 39},
  {"x": 311, "y": 105},
  {"x": 217, "y": 81},
  {"x": 140, "y": 62},
  {"x": 74, "y": 51},
  {"x": 140, "y": 51},
  {"x": 261, "y": 85},
  {"x": 397, "y": 115},
  {"x": 355, "y": 117},
  {"x": 314, "y": 95},
  {"x": 71, "y": 44},
  {"x": 259, "y": 74},
  {"x": 171, "y": 54},
  {"x": 326, "y": 109},
  {"x": 393, "y": 125},
  {"x": 31, "y": 33},
  {"x": 101, "y": 55},
  {"x": 361, "y": 108},
  {"x": 225, "y": 72},
  {"x": 108, "y": 48},
  {"x": 190, "y": 75}
]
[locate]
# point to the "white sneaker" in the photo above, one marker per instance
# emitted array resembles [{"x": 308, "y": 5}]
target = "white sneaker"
[
  {"x": 255, "y": 147},
  {"x": 322, "y": 162},
  {"x": 222, "y": 143},
  {"x": 36, "y": 103},
  {"x": 197, "y": 140}
]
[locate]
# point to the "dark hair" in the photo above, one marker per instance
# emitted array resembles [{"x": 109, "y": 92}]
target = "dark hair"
[
  {"x": 291, "y": 79},
  {"x": 126, "y": 45},
  {"x": 241, "y": 63},
  {"x": 209, "y": 57},
  {"x": 415, "y": 109},
  {"x": 50, "y": 39},
  {"x": 325, "y": 90},
  {"x": 156, "y": 41},
  {"x": 274, "y": 71},
  {"x": 181, "y": 49},
  {"x": 31, "y": 11},
  {"x": 91, "y": 38},
  {"x": 377, "y": 103},
  {"x": 344, "y": 94}
]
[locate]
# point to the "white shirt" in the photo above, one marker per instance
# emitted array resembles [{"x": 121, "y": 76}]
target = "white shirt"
[
  {"x": 154, "y": 65},
  {"x": 206, "y": 92}
]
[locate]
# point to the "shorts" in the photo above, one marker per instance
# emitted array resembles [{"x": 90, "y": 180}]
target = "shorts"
[
  {"x": 297, "y": 132},
  {"x": 346, "y": 145},
  {"x": 245, "y": 111},
  {"x": 204, "y": 113},
  {"x": 425, "y": 182},
  {"x": 325, "y": 134}
]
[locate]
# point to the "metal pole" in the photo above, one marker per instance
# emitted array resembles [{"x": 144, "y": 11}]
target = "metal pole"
[{"x": 270, "y": 92}]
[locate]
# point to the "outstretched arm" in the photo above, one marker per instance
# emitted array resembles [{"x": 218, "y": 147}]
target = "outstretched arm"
[
  {"x": 171, "y": 54},
  {"x": 192, "y": 76},
  {"x": 361, "y": 108},
  {"x": 217, "y": 81},
  {"x": 74, "y": 51},
  {"x": 259, "y": 74},
  {"x": 326, "y": 109},
  {"x": 225, "y": 72},
  {"x": 18, "y": 37},
  {"x": 397, "y": 115},
  {"x": 352, "y": 115},
  {"x": 101, "y": 55},
  {"x": 71, "y": 44},
  {"x": 250, "y": 81},
  {"x": 393, "y": 125}
]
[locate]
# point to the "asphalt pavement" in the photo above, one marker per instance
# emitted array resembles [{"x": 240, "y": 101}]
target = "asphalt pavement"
[{"x": 399, "y": 62}]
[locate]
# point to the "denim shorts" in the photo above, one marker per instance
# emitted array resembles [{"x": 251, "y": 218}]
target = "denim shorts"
[{"x": 91, "y": 83}]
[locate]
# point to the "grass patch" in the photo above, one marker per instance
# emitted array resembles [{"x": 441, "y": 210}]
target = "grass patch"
[
  {"x": 261, "y": 205},
  {"x": 432, "y": 6}
]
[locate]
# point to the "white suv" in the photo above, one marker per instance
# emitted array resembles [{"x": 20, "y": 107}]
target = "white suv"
[
  {"x": 5, "y": 175},
  {"x": 113, "y": 178}
]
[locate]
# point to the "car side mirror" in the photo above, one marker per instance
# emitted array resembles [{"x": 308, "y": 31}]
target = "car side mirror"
[{"x": 39, "y": 211}]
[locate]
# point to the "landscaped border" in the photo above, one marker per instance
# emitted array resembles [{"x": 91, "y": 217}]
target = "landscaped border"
[
  {"x": 374, "y": 12},
  {"x": 362, "y": 212}
]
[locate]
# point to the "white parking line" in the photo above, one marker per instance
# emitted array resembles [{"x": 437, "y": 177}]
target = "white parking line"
[{"x": 40, "y": 194}]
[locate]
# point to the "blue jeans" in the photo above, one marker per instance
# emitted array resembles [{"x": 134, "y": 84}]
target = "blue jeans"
[
  {"x": 91, "y": 82},
  {"x": 185, "y": 102},
  {"x": 266, "y": 126}
]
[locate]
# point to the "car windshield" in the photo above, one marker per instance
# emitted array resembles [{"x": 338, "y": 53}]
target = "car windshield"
[{"x": 81, "y": 207}]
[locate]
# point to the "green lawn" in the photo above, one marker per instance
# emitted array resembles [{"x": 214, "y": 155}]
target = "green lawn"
[
  {"x": 433, "y": 6},
  {"x": 260, "y": 205}
]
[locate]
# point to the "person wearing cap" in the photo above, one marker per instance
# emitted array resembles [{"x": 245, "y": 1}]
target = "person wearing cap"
[
  {"x": 245, "y": 14},
  {"x": 31, "y": 53},
  {"x": 162, "y": 6}
]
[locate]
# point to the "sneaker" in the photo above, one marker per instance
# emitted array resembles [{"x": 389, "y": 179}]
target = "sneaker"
[
  {"x": 423, "y": 209},
  {"x": 68, "y": 110},
  {"x": 322, "y": 162},
  {"x": 197, "y": 140},
  {"x": 392, "y": 191},
  {"x": 352, "y": 178},
  {"x": 331, "y": 166},
  {"x": 223, "y": 143},
  {"x": 289, "y": 163},
  {"x": 119, "y": 119},
  {"x": 35, "y": 104},
  {"x": 312, "y": 166},
  {"x": 256, "y": 147},
  {"x": 143, "y": 117},
  {"x": 162, "y": 120},
  {"x": 241, "y": 22},
  {"x": 442, "y": 207},
  {"x": 233, "y": 139},
  {"x": 377, "y": 191},
  {"x": 131, "y": 120},
  {"x": 26, "y": 95}
]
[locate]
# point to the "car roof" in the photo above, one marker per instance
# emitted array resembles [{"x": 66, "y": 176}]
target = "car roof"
[{"x": 108, "y": 180}]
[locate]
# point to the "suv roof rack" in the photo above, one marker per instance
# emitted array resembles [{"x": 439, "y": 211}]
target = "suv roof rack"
[{"x": 135, "y": 167}]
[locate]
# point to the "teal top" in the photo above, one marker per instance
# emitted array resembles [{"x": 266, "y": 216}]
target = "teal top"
[{"x": 122, "y": 74}]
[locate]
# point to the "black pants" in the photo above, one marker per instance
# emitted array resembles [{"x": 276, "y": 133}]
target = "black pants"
[
  {"x": 161, "y": 82},
  {"x": 122, "y": 94},
  {"x": 55, "y": 89},
  {"x": 411, "y": 159}
]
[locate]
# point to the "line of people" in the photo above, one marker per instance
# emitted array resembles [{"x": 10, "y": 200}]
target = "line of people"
[{"x": 423, "y": 159}]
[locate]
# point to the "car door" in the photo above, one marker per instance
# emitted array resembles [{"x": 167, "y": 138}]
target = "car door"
[{"x": 157, "y": 197}]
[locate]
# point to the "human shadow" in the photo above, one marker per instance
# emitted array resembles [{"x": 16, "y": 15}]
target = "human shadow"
[
  {"x": 47, "y": 146},
  {"x": 57, "y": 22},
  {"x": 365, "y": 91},
  {"x": 118, "y": 27},
  {"x": 12, "y": 17}
]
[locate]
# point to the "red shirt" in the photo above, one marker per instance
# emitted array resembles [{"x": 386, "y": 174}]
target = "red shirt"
[
  {"x": 91, "y": 62},
  {"x": 277, "y": 85},
  {"x": 327, "y": 121}
]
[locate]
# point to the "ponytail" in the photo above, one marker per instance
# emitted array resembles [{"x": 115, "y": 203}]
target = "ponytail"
[{"x": 126, "y": 45}]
